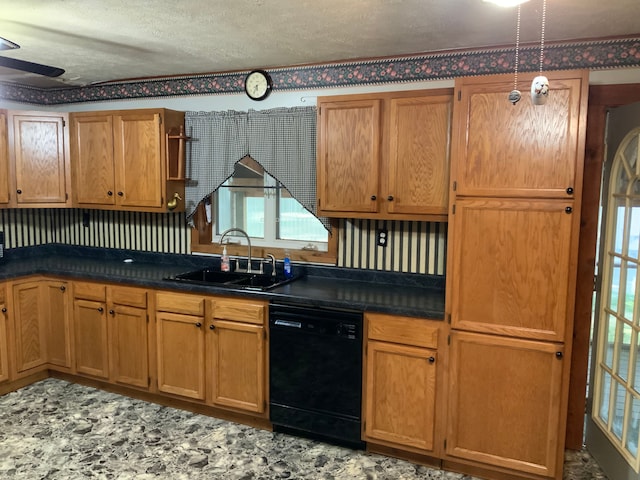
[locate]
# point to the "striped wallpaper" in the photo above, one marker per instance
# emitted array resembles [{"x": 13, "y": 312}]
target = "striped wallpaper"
[{"x": 413, "y": 247}]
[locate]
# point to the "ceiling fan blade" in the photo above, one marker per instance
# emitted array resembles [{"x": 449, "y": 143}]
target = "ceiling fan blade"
[{"x": 30, "y": 67}]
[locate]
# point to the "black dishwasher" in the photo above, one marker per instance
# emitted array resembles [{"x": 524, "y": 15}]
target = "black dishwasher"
[{"x": 315, "y": 379}]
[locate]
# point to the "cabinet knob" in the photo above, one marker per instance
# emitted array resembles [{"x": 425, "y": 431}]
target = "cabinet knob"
[
  {"x": 390, "y": 198},
  {"x": 19, "y": 192},
  {"x": 432, "y": 359},
  {"x": 559, "y": 355},
  {"x": 120, "y": 194},
  {"x": 4, "y": 310},
  {"x": 212, "y": 327},
  {"x": 568, "y": 210},
  {"x": 62, "y": 288},
  {"x": 112, "y": 312},
  {"x": 110, "y": 193},
  {"x": 569, "y": 190},
  {"x": 100, "y": 309},
  {"x": 198, "y": 324},
  {"x": 373, "y": 197}
]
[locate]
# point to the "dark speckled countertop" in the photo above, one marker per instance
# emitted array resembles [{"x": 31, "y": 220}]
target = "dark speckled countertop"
[{"x": 364, "y": 290}]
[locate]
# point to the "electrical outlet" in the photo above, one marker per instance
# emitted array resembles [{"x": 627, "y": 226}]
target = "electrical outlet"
[
  {"x": 383, "y": 237},
  {"x": 85, "y": 219}
]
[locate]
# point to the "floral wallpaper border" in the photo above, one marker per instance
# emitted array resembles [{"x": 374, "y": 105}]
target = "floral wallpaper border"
[{"x": 616, "y": 53}]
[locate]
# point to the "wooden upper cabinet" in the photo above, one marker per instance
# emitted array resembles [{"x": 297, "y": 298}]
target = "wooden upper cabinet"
[
  {"x": 119, "y": 159},
  {"x": 38, "y": 150},
  {"x": 348, "y": 156},
  {"x": 384, "y": 155},
  {"x": 418, "y": 161},
  {"x": 4, "y": 159},
  {"x": 512, "y": 266},
  {"x": 92, "y": 149},
  {"x": 522, "y": 150}
]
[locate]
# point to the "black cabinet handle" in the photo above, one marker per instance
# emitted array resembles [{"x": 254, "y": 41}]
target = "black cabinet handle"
[
  {"x": 432, "y": 359},
  {"x": 4, "y": 310},
  {"x": 110, "y": 193},
  {"x": 120, "y": 194},
  {"x": 112, "y": 312},
  {"x": 559, "y": 355},
  {"x": 100, "y": 309},
  {"x": 212, "y": 327},
  {"x": 569, "y": 190},
  {"x": 19, "y": 192},
  {"x": 390, "y": 198},
  {"x": 198, "y": 324},
  {"x": 373, "y": 197},
  {"x": 568, "y": 210},
  {"x": 63, "y": 288}
]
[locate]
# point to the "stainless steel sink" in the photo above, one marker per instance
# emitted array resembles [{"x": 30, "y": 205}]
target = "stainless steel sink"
[{"x": 238, "y": 280}]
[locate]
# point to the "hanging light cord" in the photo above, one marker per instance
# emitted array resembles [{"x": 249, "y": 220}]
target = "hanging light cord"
[
  {"x": 544, "y": 16},
  {"x": 515, "y": 79}
]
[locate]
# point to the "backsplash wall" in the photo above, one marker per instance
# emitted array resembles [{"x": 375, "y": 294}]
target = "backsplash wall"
[{"x": 413, "y": 247}]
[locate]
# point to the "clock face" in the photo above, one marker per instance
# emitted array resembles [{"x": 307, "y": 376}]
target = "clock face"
[{"x": 258, "y": 84}]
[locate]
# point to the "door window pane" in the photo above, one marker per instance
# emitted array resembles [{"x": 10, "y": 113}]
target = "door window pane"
[
  {"x": 611, "y": 341},
  {"x": 605, "y": 396},
  {"x": 630, "y": 290},
  {"x": 633, "y": 430},
  {"x": 615, "y": 284},
  {"x": 623, "y": 352},
  {"x": 618, "y": 410}
]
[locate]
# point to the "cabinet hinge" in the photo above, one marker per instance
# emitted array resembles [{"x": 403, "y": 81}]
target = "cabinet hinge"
[
  {"x": 448, "y": 339},
  {"x": 160, "y": 119},
  {"x": 459, "y": 95},
  {"x": 148, "y": 381},
  {"x": 318, "y": 203},
  {"x": 455, "y": 185},
  {"x": 147, "y": 318},
  {"x": 445, "y": 443},
  {"x": 448, "y": 318},
  {"x": 66, "y": 196},
  {"x": 453, "y": 209}
]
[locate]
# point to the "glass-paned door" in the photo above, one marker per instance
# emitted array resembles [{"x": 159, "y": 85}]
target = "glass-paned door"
[{"x": 616, "y": 383}]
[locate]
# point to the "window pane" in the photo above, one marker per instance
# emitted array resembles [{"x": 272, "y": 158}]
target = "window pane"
[
  {"x": 611, "y": 341},
  {"x": 618, "y": 410},
  {"x": 630, "y": 290},
  {"x": 605, "y": 395},
  {"x": 624, "y": 350},
  {"x": 254, "y": 210},
  {"x": 615, "y": 284},
  {"x": 296, "y": 223},
  {"x": 634, "y": 229},
  {"x": 636, "y": 361},
  {"x": 633, "y": 430},
  {"x": 619, "y": 233}
]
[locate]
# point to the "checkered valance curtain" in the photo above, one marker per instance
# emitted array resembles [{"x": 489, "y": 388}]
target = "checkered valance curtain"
[{"x": 282, "y": 140}]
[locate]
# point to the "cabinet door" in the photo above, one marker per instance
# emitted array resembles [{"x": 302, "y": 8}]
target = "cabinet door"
[
  {"x": 505, "y": 402},
  {"x": 30, "y": 326},
  {"x": 181, "y": 358},
  {"x": 237, "y": 358},
  {"x": 138, "y": 160},
  {"x": 348, "y": 157},
  {"x": 418, "y": 169},
  {"x": 39, "y": 158},
  {"x": 129, "y": 350},
  {"x": 511, "y": 271},
  {"x": 91, "y": 346},
  {"x": 401, "y": 393},
  {"x": 4, "y": 159},
  {"x": 59, "y": 326},
  {"x": 92, "y": 159},
  {"x": 522, "y": 150},
  {"x": 4, "y": 354}
]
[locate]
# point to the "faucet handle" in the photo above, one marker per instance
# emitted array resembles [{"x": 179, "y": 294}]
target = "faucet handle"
[{"x": 271, "y": 259}]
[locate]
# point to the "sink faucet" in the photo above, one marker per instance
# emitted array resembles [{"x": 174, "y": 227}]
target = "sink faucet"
[{"x": 239, "y": 230}]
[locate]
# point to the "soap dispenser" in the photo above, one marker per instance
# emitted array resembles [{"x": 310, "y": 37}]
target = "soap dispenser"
[
  {"x": 224, "y": 261},
  {"x": 287, "y": 265}
]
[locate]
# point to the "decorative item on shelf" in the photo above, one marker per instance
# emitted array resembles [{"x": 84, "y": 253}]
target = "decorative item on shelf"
[
  {"x": 515, "y": 95},
  {"x": 176, "y": 141},
  {"x": 540, "y": 84},
  {"x": 173, "y": 203}
]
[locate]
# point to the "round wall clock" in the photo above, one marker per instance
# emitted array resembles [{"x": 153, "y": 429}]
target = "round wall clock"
[{"x": 258, "y": 84}]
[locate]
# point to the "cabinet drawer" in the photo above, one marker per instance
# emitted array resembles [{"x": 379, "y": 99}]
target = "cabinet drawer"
[
  {"x": 90, "y": 291},
  {"x": 132, "y": 297},
  {"x": 403, "y": 330},
  {"x": 239, "y": 310},
  {"x": 180, "y": 303}
]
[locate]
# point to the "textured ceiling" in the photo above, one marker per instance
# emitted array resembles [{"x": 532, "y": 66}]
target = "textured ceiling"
[{"x": 106, "y": 40}]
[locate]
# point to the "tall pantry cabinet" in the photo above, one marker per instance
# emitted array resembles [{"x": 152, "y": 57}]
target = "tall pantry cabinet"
[{"x": 516, "y": 183}]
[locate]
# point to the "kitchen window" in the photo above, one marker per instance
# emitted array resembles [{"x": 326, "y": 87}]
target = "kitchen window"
[{"x": 259, "y": 204}]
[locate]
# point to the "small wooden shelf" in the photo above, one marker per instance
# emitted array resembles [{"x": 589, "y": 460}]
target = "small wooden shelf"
[{"x": 176, "y": 140}]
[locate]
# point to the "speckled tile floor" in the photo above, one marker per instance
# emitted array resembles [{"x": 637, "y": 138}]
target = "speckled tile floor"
[{"x": 58, "y": 430}]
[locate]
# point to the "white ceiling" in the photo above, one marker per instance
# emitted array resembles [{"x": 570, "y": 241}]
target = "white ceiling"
[{"x": 105, "y": 40}]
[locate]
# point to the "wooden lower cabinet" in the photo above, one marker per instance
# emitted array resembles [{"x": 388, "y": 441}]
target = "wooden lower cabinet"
[
  {"x": 504, "y": 403},
  {"x": 90, "y": 329},
  {"x": 400, "y": 382},
  {"x": 180, "y": 344},
  {"x": 4, "y": 343},
  {"x": 236, "y": 350},
  {"x": 59, "y": 340},
  {"x": 29, "y": 327}
]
